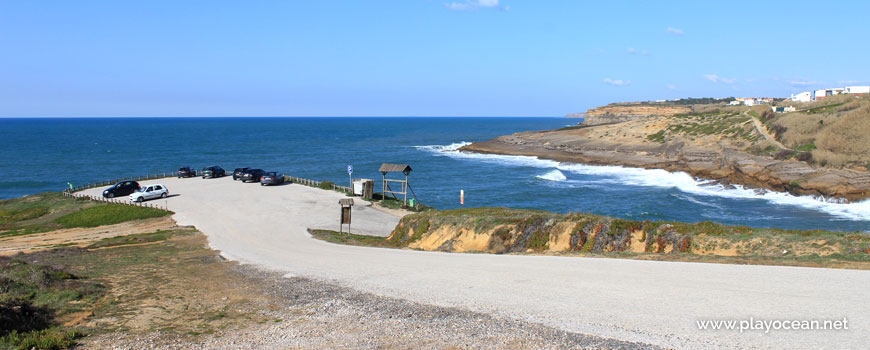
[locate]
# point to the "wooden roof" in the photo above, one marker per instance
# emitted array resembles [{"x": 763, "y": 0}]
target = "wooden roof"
[{"x": 387, "y": 168}]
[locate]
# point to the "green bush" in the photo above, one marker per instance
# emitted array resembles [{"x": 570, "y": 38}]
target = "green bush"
[
  {"x": 326, "y": 185},
  {"x": 109, "y": 214},
  {"x": 46, "y": 339}
]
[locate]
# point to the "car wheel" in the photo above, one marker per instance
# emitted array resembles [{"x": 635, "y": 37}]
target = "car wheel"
[
  {"x": 140, "y": 199},
  {"x": 262, "y": 184},
  {"x": 163, "y": 195}
]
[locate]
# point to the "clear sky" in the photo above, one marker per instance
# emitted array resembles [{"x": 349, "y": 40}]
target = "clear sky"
[{"x": 414, "y": 57}]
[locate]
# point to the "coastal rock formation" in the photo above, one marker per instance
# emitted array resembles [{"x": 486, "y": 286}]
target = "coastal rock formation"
[
  {"x": 506, "y": 231},
  {"x": 719, "y": 156},
  {"x": 620, "y": 113}
]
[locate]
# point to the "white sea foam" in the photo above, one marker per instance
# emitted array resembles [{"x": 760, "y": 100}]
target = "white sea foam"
[
  {"x": 664, "y": 179},
  {"x": 554, "y": 175}
]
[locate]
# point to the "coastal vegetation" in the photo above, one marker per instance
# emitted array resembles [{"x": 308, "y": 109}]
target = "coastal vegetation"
[
  {"x": 523, "y": 231},
  {"x": 52, "y": 211}
]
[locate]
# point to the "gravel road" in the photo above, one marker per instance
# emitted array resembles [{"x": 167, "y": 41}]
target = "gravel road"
[{"x": 630, "y": 300}]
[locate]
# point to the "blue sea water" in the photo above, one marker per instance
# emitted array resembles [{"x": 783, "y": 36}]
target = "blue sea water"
[{"x": 38, "y": 155}]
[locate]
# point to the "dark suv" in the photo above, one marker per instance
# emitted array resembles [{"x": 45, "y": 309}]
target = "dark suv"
[
  {"x": 122, "y": 188},
  {"x": 213, "y": 171},
  {"x": 252, "y": 175},
  {"x": 237, "y": 174},
  {"x": 185, "y": 172}
]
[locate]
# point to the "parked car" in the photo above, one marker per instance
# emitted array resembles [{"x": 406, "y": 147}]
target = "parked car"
[
  {"x": 271, "y": 178},
  {"x": 237, "y": 174},
  {"x": 213, "y": 171},
  {"x": 252, "y": 175},
  {"x": 185, "y": 172},
  {"x": 149, "y": 192},
  {"x": 122, "y": 188}
]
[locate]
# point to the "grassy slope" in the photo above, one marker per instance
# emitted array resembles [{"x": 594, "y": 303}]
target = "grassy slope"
[{"x": 52, "y": 211}]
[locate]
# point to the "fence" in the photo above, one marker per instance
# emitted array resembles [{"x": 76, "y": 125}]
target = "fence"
[
  {"x": 112, "y": 182},
  {"x": 315, "y": 183},
  {"x": 155, "y": 205},
  {"x": 71, "y": 193}
]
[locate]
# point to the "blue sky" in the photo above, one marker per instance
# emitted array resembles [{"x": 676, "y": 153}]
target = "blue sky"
[{"x": 413, "y": 57}]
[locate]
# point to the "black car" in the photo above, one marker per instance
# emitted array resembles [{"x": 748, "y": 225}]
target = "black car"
[
  {"x": 237, "y": 174},
  {"x": 252, "y": 175},
  {"x": 271, "y": 178},
  {"x": 213, "y": 171},
  {"x": 122, "y": 188},
  {"x": 185, "y": 172}
]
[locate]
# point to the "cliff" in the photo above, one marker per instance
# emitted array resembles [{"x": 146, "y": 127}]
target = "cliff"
[
  {"x": 621, "y": 113},
  {"x": 504, "y": 230},
  {"x": 728, "y": 147}
]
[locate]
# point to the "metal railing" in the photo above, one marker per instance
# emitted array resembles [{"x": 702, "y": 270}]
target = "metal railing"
[
  {"x": 315, "y": 183},
  {"x": 155, "y": 205}
]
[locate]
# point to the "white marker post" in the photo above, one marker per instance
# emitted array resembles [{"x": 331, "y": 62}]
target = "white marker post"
[{"x": 462, "y": 198}]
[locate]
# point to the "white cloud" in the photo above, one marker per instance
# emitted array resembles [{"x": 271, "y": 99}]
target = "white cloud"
[
  {"x": 717, "y": 79},
  {"x": 475, "y": 4},
  {"x": 633, "y": 51},
  {"x": 849, "y": 82},
  {"x": 675, "y": 31},
  {"x": 617, "y": 82},
  {"x": 672, "y": 87},
  {"x": 802, "y": 83}
]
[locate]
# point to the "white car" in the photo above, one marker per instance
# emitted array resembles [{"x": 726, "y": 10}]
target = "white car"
[{"x": 149, "y": 192}]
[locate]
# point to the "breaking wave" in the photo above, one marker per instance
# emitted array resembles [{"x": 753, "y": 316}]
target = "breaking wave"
[
  {"x": 554, "y": 175},
  {"x": 659, "y": 178}
]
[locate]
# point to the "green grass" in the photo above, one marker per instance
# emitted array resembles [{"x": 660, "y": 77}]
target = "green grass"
[
  {"x": 806, "y": 147},
  {"x": 349, "y": 239},
  {"x": 140, "y": 238},
  {"x": 37, "y": 213},
  {"x": 16, "y": 215},
  {"x": 108, "y": 214},
  {"x": 657, "y": 137},
  {"x": 45, "y": 339}
]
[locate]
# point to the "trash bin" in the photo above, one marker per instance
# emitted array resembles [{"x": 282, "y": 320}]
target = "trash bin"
[{"x": 411, "y": 202}]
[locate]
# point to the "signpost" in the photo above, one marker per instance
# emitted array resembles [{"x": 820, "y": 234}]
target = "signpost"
[
  {"x": 350, "y": 176},
  {"x": 346, "y": 205}
]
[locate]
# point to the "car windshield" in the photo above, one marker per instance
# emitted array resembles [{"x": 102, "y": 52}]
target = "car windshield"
[
  {"x": 271, "y": 174},
  {"x": 141, "y": 189}
]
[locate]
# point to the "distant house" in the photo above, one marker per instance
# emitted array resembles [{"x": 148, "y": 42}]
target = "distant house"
[
  {"x": 805, "y": 96},
  {"x": 752, "y": 101},
  {"x": 735, "y": 103},
  {"x": 857, "y": 90},
  {"x": 782, "y": 109},
  {"x": 820, "y": 94}
]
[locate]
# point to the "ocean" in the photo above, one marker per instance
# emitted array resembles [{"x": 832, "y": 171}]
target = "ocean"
[{"x": 38, "y": 155}]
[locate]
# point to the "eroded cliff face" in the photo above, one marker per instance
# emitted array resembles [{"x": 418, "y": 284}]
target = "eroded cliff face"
[
  {"x": 504, "y": 230},
  {"x": 620, "y": 113}
]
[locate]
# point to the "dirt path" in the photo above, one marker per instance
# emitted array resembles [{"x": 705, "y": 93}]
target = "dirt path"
[
  {"x": 764, "y": 132},
  {"x": 79, "y": 237}
]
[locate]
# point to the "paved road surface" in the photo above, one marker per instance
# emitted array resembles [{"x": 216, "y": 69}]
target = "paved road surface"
[{"x": 646, "y": 301}]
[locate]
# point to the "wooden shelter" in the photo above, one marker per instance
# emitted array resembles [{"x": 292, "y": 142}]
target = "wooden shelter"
[{"x": 390, "y": 168}]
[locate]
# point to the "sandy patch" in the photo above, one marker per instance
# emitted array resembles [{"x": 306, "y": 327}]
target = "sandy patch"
[
  {"x": 637, "y": 243},
  {"x": 80, "y": 236},
  {"x": 560, "y": 236}
]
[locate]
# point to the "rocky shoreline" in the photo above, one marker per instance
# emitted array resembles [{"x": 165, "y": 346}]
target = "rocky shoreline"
[{"x": 729, "y": 166}]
